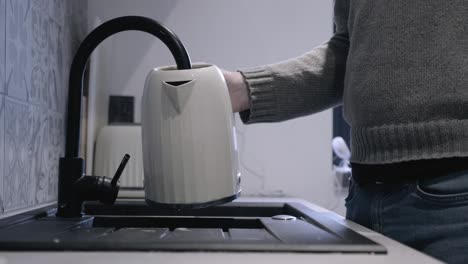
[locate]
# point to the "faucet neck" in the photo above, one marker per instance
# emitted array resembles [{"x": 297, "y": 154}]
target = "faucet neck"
[
  {"x": 71, "y": 167},
  {"x": 109, "y": 28}
]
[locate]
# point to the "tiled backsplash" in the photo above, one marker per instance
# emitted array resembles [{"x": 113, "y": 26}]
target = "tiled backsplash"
[{"x": 38, "y": 39}]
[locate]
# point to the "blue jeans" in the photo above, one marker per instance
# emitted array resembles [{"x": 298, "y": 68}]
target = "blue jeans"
[{"x": 430, "y": 215}]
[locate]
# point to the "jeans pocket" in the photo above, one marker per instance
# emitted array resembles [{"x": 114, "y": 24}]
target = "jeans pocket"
[{"x": 451, "y": 187}]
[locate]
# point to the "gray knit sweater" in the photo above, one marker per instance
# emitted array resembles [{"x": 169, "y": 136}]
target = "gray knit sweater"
[{"x": 400, "y": 69}]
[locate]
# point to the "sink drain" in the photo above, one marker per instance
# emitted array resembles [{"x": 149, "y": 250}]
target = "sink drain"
[{"x": 284, "y": 217}]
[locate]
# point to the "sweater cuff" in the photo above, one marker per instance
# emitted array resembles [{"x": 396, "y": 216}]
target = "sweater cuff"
[{"x": 263, "y": 107}]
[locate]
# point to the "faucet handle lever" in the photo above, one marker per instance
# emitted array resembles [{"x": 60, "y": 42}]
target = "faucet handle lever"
[{"x": 120, "y": 169}]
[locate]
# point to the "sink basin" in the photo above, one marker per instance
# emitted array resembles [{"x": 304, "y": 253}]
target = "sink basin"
[
  {"x": 237, "y": 226},
  {"x": 234, "y": 209}
]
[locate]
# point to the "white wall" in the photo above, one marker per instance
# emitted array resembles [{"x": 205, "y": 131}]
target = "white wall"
[{"x": 290, "y": 158}]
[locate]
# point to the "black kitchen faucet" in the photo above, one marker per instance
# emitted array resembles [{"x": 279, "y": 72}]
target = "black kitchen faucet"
[{"x": 74, "y": 186}]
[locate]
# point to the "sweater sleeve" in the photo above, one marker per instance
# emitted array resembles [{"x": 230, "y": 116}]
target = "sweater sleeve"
[{"x": 304, "y": 85}]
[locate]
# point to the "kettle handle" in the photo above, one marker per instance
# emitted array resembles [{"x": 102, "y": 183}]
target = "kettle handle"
[{"x": 111, "y": 27}]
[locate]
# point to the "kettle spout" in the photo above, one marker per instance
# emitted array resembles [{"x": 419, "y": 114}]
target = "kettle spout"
[{"x": 178, "y": 93}]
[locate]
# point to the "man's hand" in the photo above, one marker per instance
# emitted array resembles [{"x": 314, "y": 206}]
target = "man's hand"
[{"x": 238, "y": 91}]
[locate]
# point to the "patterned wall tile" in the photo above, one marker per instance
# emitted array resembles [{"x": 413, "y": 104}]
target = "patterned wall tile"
[
  {"x": 2, "y": 148},
  {"x": 39, "y": 155},
  {"x": 17, "y": 184},
  {"x": 34, "y": 142},
  {"x": 57, "y": 68},
  {"x": 32, "y": 155},
  {"x": 2, "y": 45},
  {"x": 40, "y": 38},
  {"x": 17, "y": 47},
  {"x": 28, "y": 59},
  {"x": 56, "y": 128}
]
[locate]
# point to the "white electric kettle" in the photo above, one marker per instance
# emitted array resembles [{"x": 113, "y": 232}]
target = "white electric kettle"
[{"x": 189, "y": 142}]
